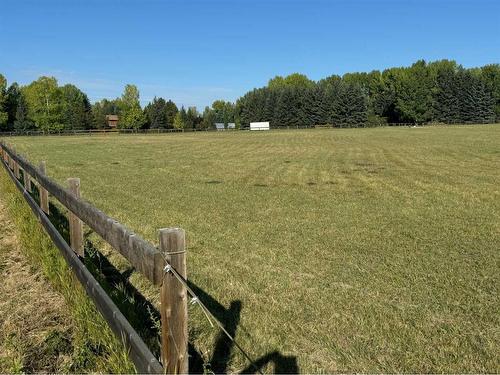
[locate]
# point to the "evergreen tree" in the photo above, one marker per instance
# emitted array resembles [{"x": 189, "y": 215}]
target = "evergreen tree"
[
  {"x": 271, "y": 98},
  {"x": 490, "y": 75},
  {"x": 12, "y": 96},
  {"x": 76, "y": 109},
  {"x": 477, "y": 105},
  {"x": 208, "y": 118},
  {"x": 170, "y": 112},
  {"x": 284, "y": 114},
  {"x": 156, "y": 114},
  {"x": 251, "y": 106},
  {"x": 447, "y": 105},
  {"x": 315, "y": 106},
  {"x": 348, "y": 105},
  {"x": 191, "y": 119},
  {"x": 307, "y": 107},
  {"x": 4, "y": 116},
  {"x": 22, "y": 123}
]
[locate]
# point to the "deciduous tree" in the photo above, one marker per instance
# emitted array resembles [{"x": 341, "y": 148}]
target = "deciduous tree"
[
  {"x": 44, "y": 100},
  {"x": 131, "y": 114}
]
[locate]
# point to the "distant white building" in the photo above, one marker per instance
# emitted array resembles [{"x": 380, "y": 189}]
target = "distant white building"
[
  {"x": 259, "y": 125},
  {"x": 231, "y": 125},
  {"x": 219, "y": 126}
]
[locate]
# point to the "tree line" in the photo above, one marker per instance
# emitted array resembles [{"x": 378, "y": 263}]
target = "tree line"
[
  {"x": 43, "y": 105},
  {"x": 436, "y": 92}
]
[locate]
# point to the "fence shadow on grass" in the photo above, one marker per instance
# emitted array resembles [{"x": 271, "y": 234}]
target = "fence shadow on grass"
[{"x": 145, "y": 318}]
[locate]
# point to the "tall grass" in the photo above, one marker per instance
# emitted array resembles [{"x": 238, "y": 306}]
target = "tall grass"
[{"x": 95, "y": 348}]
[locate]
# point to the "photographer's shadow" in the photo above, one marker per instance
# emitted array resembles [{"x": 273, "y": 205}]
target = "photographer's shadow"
[
  {"x": 145, "y": 318},
  {"x": 224, "y": 346}
]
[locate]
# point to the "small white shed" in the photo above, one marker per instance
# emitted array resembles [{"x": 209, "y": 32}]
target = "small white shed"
[{"x": 259, "y": 125}]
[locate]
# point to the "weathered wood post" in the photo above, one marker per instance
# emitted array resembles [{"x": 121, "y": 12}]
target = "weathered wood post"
[
  {"x": 27, "y": 181},
  {"x": 16, "y": 170},
  {"x": 44, "y": 194},
  {"x": 173, "y": 309},
  {"x": 75, "y": 224}
]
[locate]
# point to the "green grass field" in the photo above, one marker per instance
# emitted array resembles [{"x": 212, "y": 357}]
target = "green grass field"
[{"x": 357, "y": 250}]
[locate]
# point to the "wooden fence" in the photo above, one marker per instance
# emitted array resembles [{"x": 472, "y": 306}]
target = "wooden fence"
[
  {"x": 142, "y": 255},
  {"x": 90, "y": 132}
]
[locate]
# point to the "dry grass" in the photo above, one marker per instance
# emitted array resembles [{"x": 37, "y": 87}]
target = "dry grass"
[
  {"x": 358, "y": 250},
  {"x": 35, "y": 327},
  {"x": 45, "y": 330}
]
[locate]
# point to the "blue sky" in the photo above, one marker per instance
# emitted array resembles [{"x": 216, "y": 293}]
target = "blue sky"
[{"x": 197, "y": 51}]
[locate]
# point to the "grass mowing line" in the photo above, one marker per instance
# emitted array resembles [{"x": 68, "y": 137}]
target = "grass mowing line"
[
  {"x": 95, "y": 349},
  {"x": 358, "y": 250}
]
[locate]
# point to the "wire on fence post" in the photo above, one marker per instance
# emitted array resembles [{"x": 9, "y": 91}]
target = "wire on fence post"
[
  {"x": 169, "y": 269},
  {"x": 173, "y": 299}
]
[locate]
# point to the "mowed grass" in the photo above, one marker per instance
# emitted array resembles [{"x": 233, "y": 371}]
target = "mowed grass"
[{"x": 360, "y": 250}]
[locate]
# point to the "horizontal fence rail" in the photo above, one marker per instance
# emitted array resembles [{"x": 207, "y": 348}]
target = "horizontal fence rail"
[
  {"x": 88, "y": 132},
  {"x": 139, "y": 353},
  {"x": 141, "y": 254}
]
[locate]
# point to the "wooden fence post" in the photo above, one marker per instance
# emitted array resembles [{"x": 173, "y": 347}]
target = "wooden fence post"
[
  {"x": 75, "y": 224},
  {"x": 173, "y": 309},
  {"x": 27, "y": 181},
  {"x": 16, "y": 170},
  {"x": 44, "y": 194}
]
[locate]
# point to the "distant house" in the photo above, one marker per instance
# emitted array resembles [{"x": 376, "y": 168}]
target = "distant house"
[
  {"x": 112, "y": 120},
  {"x": 219, "y": 126}
]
